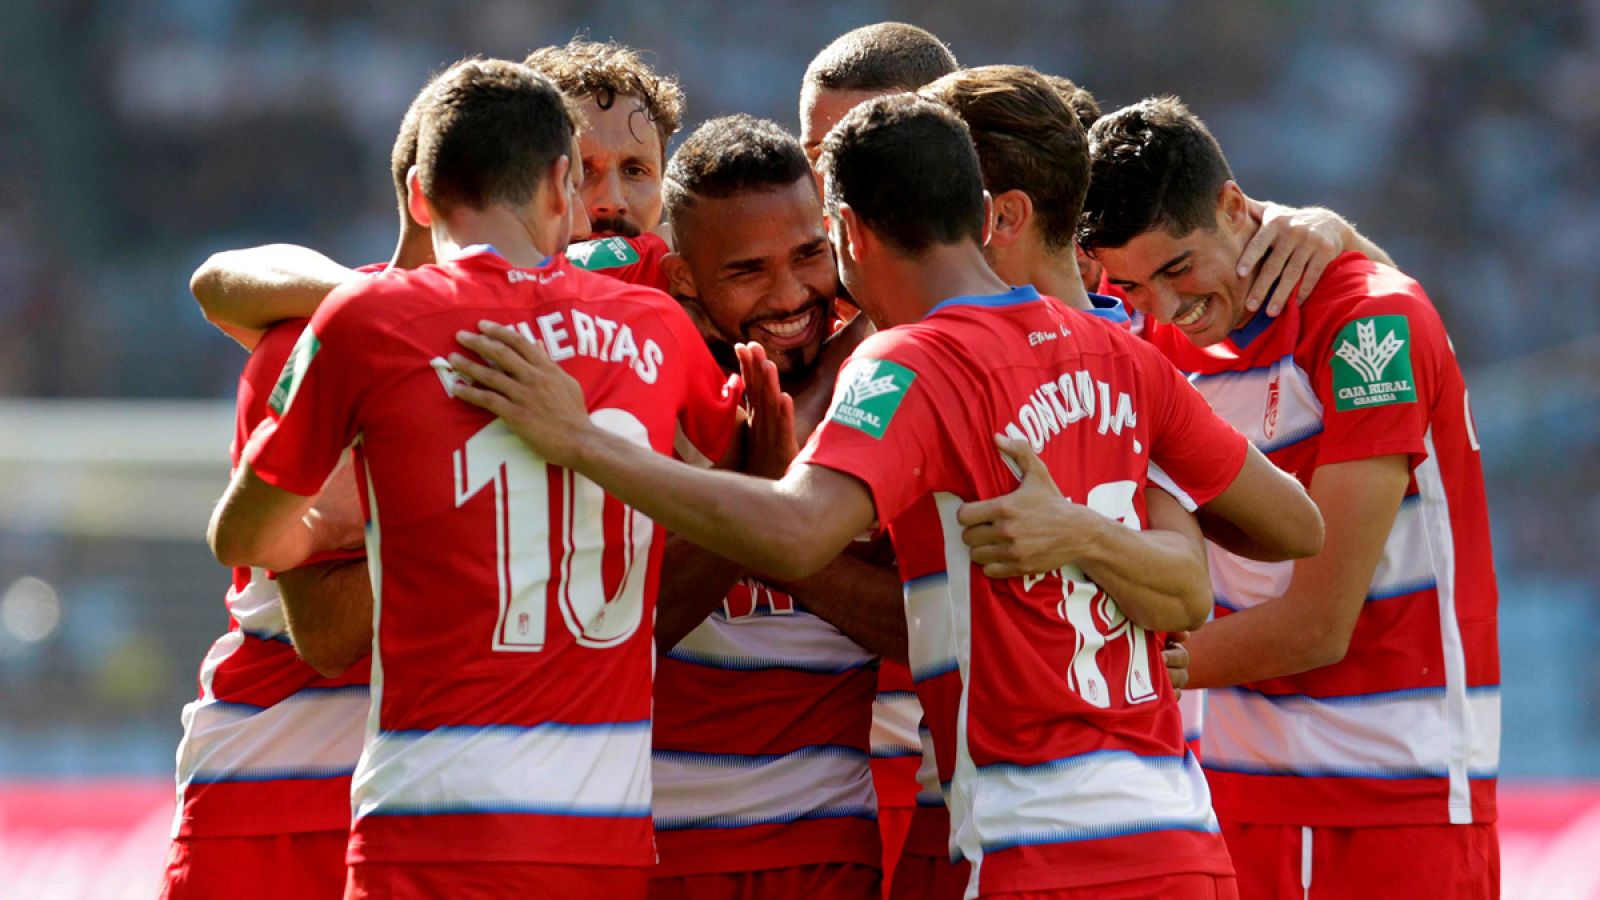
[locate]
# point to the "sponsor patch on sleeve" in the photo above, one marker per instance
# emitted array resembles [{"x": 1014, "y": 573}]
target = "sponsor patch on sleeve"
[
  {"x": 294, "y": 372},
  {"x": 870, "y": 394},
  {"x": 602, "y": 253},
  {"x": 1372, "y": 364}
]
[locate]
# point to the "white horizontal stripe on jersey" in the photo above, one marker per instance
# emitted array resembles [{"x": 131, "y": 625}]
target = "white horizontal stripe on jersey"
[
  {"x": 258, "y": 608},
  {"x": 1242, "y": 398},
  {"x": 1114, "y": 793},
  {"x": 551, "y": 769},
  {"x": 1158, "y": 477},
  {"x": 1395, "y": 734},
  {"x": 800, "y": 641},
  {"x": 705, "y": 790},
  {"x": 930, "y": 626},
  {"x": 1406, "y": 566},
  {"x": 315, "y": 733},
  {"x": 1192, "y": 706},
  {"x": 1240, "y": 583},
  {"x": 895, "y": 716}
]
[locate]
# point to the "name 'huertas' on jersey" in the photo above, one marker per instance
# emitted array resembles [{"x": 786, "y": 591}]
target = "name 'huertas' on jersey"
[{"x": 567, "y": 333}]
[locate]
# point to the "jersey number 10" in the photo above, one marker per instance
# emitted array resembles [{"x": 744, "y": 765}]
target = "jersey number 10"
[{"x": 550, "y": 538}]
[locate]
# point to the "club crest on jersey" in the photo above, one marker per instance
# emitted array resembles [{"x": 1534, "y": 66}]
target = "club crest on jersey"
[
  {"x": 871, "y": 393},
  {"x": 294, "y": 372},
  {"x": 602, "y": 253},
  {"x": 1369, "y": 372}
]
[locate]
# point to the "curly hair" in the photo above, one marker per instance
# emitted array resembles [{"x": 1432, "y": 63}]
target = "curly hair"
[{"x": 602, "y": 71}]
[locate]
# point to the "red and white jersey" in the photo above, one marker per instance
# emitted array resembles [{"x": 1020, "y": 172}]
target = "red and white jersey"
[
  {"x": 1406, "y": 729},
  {"x": 761, "y": 744},
  {"x": 1034, "y": 689},
  {"x": 931, "y": 825},
  {"x": 636, "y": 260},
  {"x": 512, "y": 599},
  {"x": 269, "y": 745}
]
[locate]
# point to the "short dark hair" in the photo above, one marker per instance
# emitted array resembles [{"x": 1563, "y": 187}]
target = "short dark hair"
[
  {"x": 1151, "y": 165},
  {"x": 404, "y": 154},
  {"x": 1078, "y": 99},
  {"x": 908, "y": 169},
  {"x": 729, "y": 156},
  {"x": 882, "y": 57},
  {"x": 1027, "y": 139},
  {"x": 602, "y": 71},
  {"x": 487, "y": 133}
]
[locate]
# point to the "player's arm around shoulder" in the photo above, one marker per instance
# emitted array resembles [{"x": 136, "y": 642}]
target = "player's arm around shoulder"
[
  {"x": 789, "y": 528},
  {"x": 1264, "y": 514},
  {"x": 243, "y": 292}
]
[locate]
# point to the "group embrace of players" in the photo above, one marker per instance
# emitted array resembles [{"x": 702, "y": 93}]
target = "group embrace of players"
[{"x": 840, "y": 542}]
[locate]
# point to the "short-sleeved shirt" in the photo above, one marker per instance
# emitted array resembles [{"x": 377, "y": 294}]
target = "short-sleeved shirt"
[
  {"x": 1034, "y": 690},
  {"x": 512, "y": 598},
  {"x": 1405, "y": 730},
  {"x": 930, "y": 827},
  {"x": 269, "y": 745}
]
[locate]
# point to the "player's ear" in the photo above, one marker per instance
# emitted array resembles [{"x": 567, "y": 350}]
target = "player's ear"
[
  {"x": 1233, "y": 207},
  {"x": 416, "y": 202},
  {"x": 1013, "y": 213},
  {"x": 558, "y": 196},
  {"x": 853, "y": 239},
  {"x": 680, "y": 281}
]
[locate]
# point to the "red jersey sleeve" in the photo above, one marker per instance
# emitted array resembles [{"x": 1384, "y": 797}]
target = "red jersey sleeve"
[
  {"x": 710, "y": 414},
  {"x": 260, "y": 376},
  {"x": 314, "y": 406},
  {"x": 256, "y": 384},
  {"x": 880, "y": 428},
  {"x": 1199, "y": 451},
  {"x": 1375, "y": 379}
]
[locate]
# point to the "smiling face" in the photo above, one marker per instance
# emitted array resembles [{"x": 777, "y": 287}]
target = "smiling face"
[
  {"x": 762, "y": 270},
  {"x": 1188, "y": 281},
  {"x": 622, "y": 162}
]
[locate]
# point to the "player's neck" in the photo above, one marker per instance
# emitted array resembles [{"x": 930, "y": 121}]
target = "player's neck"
[
  {"x": 414, "y": 249},
  {"x": 933, "y": 276},
  {"x": 510, "y": 235},
  {"x": 1056, "y": 275}
]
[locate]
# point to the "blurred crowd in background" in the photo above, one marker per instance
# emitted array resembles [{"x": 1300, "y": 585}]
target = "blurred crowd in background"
[{"x": 137, "y": 137}]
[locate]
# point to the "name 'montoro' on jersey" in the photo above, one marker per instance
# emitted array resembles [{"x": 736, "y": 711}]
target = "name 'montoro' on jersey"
[
  {"x": 1034, "y": 689},
  {"x": 1405, "y": 730},
  {"x": 512, "y": 599}
]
